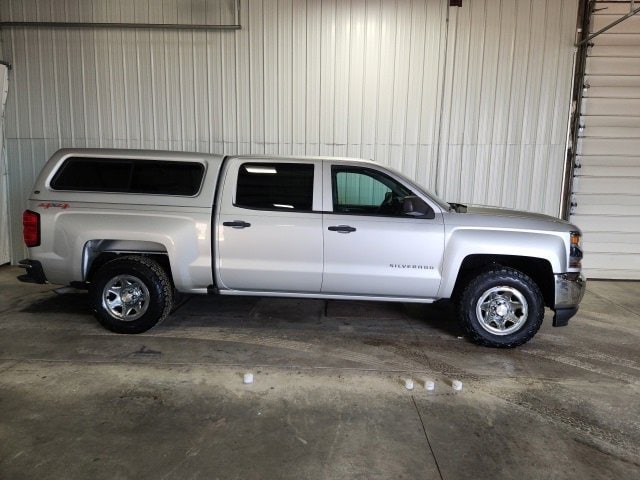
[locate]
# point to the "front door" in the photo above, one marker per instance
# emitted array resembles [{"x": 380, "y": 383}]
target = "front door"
[
  {"x": 375, "y": 244},
  {"x": 270, "y": 226}
]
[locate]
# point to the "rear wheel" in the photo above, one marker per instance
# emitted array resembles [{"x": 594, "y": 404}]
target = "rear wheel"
[
  {"x": 131, "y": 294},
  {"x": 501, "y": 307}
]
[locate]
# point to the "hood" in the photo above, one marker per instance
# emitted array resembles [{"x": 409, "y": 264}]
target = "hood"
[
  {"x": 506, "y": 212},
  {"x": 478, "y": 215}
]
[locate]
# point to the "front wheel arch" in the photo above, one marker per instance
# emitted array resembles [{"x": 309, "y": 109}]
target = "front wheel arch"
[{"x": 537, "y": 269}]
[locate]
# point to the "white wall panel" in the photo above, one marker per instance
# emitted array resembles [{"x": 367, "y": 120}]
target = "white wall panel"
[
  {"x": 5, "y": 251},
  {"x": 485, "y": 123},
  {"x": 506, "y": 103}
]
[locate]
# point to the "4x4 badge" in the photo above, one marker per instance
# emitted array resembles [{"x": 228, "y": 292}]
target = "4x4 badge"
[{"x": 63, "y": 206}]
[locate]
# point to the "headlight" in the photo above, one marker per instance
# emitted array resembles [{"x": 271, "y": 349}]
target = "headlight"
[{"x": 575, "y": 250}]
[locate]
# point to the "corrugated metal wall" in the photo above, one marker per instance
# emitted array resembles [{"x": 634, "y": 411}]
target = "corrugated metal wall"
[
  {"x": 484, "y": 103},
  {"x": 5, "y": 250},
  {"x": 607, "y": 184},
  {"x": 506, "y": 109}
]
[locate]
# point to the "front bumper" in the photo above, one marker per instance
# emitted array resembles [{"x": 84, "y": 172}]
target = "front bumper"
[{"x": 569, "y": 290}]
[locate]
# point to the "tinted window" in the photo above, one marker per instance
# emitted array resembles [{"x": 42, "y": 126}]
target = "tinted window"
[
  {"x": 129, "y": 176},
  {"x": 275, "y": 186},
  {"x": 366, "y": 191},
  {"x": 357, "y": 189}
]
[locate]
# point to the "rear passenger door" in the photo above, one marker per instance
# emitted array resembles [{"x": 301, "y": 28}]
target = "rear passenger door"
[{"x": 269, "y": 236}]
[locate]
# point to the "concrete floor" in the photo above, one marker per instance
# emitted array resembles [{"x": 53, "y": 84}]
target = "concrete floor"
[{"x": 328, "y": 399}]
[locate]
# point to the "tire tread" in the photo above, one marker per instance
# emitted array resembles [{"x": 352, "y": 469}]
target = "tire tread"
[
  {"x": 505, "y": 274},
  {"x": 162, "y": 281}
]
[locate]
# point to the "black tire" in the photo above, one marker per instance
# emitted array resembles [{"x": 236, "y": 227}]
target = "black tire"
[
  {"x": 501, "y": 307},
  {"x": 147, "y": 301}
]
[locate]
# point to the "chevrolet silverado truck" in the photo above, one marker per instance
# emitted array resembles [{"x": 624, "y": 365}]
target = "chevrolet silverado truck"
[{"x": 137, "y": 227}]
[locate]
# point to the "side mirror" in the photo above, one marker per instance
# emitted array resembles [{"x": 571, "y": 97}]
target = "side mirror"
[{"x": 414, "y": 206}]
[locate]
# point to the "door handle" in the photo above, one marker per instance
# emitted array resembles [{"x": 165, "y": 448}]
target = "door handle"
[
  {"x": 236, "y": 224},
  {"x": 342, "y": 229}
]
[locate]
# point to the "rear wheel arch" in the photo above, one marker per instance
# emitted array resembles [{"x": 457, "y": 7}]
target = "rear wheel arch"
[{"x": 97, "y": 253}]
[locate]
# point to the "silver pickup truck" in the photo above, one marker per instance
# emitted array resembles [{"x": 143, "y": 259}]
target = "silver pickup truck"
[{"x": 134, "y": 227}]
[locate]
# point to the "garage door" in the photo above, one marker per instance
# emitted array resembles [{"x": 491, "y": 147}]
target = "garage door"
[{"x": 606, "y": 192}]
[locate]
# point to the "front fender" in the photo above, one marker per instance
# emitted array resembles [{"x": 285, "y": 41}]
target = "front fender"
[{"x": 462, "y": 242}]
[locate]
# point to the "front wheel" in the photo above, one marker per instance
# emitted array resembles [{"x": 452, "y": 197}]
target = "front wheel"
[
  {"x": 131, "y": 294},
  {"x": 501, "y": 307}
]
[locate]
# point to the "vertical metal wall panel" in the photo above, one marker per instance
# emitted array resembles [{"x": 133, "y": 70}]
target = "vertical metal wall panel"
[
  {"x": 285, "y": 76},
  {"x": 606, "y": 193},
  {"x": 355, "y": 102},
  {"x": 313, "y": 50},
  {"x": 5, "y": 250},
  {"x": 371, "y": 46},
  {"x": 507, "y": 92},
  {"x": 255, "y": 27},
  {"x": 342, "y": 70},
  {"x": 299, "y": 77},
  {"x": 431, "y": 98},
  {"x": 270, "y": 72},
  {"x": 327, "y": 74},
  {"x": 363, "y": 78},
  {"x": 243, "y": 97}
]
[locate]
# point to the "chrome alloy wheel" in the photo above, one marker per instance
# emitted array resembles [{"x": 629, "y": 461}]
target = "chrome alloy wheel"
[
  {"x": 502, "y": 310},
  {"x": 125, "y": 297}
]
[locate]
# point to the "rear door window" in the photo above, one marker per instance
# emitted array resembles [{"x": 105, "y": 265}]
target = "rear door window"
[{"x": 275, "y": 186}]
